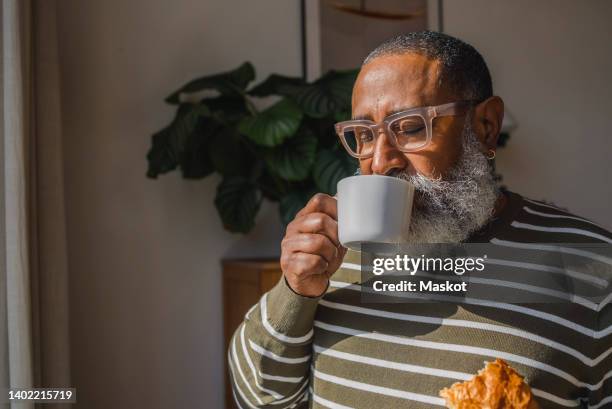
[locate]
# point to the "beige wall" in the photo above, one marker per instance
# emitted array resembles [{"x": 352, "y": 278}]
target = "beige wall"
[
  {"x": 551, "y": 62},
  {"x": 144, "y": 255}
]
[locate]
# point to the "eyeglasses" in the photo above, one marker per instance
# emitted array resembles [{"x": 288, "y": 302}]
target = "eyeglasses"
[{"x": 408, "y": 131}]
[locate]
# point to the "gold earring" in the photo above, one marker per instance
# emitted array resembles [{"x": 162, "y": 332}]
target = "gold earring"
[{"x": 491, "y": 155}]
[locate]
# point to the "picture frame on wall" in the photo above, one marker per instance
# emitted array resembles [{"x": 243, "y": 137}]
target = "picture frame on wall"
[{"x": 338, "y": 34}]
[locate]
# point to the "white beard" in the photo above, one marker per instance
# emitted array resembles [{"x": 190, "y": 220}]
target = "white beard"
[{"x": 450, "y": 210}]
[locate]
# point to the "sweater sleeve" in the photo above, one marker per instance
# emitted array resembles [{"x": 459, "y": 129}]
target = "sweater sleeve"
[
  {"x": 270, "y": 353},
  {"x": 600, "y": 394}
]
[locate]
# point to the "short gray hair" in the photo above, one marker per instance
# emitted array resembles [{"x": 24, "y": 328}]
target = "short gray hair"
[{"x": 463, "y": 68}]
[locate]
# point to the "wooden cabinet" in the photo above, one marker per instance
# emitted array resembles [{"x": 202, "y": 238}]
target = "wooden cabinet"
[{"x": 244, "y": 282}]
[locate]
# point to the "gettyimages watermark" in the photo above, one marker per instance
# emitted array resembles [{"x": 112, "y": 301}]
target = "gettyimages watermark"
[{"x": 500, "y": 271}]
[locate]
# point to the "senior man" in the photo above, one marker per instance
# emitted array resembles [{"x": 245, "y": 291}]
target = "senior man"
[{"x": 311, "y": 342}]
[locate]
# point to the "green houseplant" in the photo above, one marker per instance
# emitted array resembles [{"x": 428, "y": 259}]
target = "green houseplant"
[{"x": 284, "y": 153}]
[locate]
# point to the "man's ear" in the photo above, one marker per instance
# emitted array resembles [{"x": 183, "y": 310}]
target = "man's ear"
[{"x": 487, "y": 121}]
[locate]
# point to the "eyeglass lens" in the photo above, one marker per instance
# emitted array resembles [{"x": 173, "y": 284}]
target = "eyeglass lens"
[{"x": 410, "y": 133}]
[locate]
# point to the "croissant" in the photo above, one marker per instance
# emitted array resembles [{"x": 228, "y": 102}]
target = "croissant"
[{"x": 497, "y": 386}]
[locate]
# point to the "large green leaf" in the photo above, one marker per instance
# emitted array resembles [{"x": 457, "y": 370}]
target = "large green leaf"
[
  {"x": 324, "y": 130},
  {"x": 330, "y": 167},
  {"x": 228, "y": 152},
  {"x": 278, "y": 85},
  {"x": 237, "y": 201},
  {"x": 272, "y": 187},
  {"x": 340, "y": 116},
  {"x": 226, "y": 109},
  {"x": 329, "y": 94},
  {"x": 292, "y": 203},
  {"x": 194, "y": 160},
  {"x": 184, "y": 125},
  {"x": 160, "y": 157},
  {"x": 169, "y": 144},
  {"x": 230, "y": 83},
  {"x": 274, "y": 125},
  {"x": 293, "y": 159}
]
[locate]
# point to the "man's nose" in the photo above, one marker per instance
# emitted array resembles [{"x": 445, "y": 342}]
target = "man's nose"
[{"x": 387, "y": 158}]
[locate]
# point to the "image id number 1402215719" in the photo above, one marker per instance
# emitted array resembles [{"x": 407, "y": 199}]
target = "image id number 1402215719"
[{"x": 42, "y": 395}]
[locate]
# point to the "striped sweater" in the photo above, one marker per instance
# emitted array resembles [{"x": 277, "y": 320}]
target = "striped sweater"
[{"x": 337, "y": 352}]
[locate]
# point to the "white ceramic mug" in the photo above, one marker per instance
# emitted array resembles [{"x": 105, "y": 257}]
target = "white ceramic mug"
[{"x": 373, "y": 209}]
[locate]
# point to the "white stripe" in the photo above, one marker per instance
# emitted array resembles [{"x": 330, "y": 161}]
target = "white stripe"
[
  {"x": 351, "y": 266},
  {"x": 540, "y": 203},
  {"x": 275, "y": 333},
  {"x": 554, "y": 398},
  {"x": 605, "y": 301},
  {"x": 539, "y": 290},
  {"x": 475, "y": 301},
  {"x": 560, "y": 216},
  {"x": 328, "y": 404},
  {"x": 278, "y": 378},
  {"x": 340, "y": 284},
  {"x": 235, "y": 358},
  {"x": 458, "y": 348},
  {"x": 304, "y": 397},
  {"x": 557, "y": 248},
  {"x": 379, "y": 389},
  {"x": 236, "y": 399},
  {"x": 543, "y": 204},
  {"x": 247, "y": 357},
  {"x": 297, "y": 394},
  {"x": 230, "y": 359},
  {"x": 451, "y": 322},
  {"x": 232, "y": 363},
  {"x": 603, "y": 378},
  {"x": 568, "y": 230},
  {"x": 549, "y": 269},
  {"x": 276, "y": 402},
  {"x": 278, "y": 358},
  {"x": 534, "y": 246},
  {"x": 515, "y": 285},
  {"x": 443, "y": 373},
  {"x": 576, "y": 299},
  {"x": 601, "y": 403},
  {"x": 248, "y": 314}
]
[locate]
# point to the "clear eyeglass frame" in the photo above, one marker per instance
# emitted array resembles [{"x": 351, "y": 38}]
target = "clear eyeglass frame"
[{"x": 426, "y": 115}]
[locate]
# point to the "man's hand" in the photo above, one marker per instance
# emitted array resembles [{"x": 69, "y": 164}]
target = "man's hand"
[{"x": 310, "y": 250}]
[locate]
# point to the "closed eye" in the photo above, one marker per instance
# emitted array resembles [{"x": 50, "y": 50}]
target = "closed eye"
[{"x": 411, "y": 131}]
